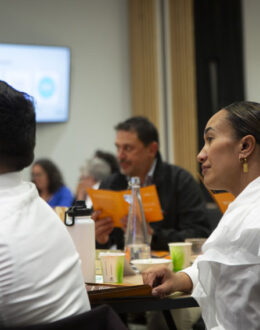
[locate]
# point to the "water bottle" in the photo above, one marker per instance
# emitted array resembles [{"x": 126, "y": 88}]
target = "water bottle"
[
  {"x": 136, "y": 239},
  {"x": 82, "y": 230}
]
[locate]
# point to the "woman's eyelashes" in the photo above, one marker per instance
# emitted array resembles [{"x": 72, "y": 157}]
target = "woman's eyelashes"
[{"x": 209, "y": 139}]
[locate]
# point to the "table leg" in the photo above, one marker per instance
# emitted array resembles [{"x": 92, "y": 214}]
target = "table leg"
[{"x": 169, "y": 320}]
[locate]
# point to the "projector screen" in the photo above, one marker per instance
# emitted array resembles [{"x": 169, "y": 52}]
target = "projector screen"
[{"x": 42, "y": 72}]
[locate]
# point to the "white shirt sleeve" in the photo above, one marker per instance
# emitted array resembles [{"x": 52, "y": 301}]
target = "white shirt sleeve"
[
  {"x": 6, "y": 274},
  {"x": 238, "y": 296},
  {"x": 192, "y": 272}
]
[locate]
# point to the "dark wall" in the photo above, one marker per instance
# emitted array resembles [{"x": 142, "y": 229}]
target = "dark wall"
[{"x": 219, "y": 57}]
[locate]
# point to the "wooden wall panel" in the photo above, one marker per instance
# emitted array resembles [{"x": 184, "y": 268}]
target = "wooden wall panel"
[
  {"x": 183, "y": 84},
  {"x": 144, "y": 60},
  {"x": 145, "y": 78}
]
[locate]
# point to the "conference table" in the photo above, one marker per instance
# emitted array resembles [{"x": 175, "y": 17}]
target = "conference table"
[
  {"x": 145, "y": 302},
  {"x": 140, "y": 303}
]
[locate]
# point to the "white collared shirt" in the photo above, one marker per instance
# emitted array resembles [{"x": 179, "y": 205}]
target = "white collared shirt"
[
  {"x": 40, "y": 276},
  {"x": 149, "y": 177},
  {"x": 226, "y": 277},
  {"x": 89, "y": 203}
]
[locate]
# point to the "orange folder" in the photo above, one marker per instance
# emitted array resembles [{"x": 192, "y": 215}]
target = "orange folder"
[
  {"x": 222, "y": 200},
  {"x": 113, "y": 203}
]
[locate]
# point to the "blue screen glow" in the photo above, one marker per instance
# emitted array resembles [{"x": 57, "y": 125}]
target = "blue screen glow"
[{"x": 41, "y": 71}]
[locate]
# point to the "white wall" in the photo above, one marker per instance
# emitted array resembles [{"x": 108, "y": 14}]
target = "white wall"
[
  {"x": 97, "y": 33},
  {"x": 251, "y": 10}
]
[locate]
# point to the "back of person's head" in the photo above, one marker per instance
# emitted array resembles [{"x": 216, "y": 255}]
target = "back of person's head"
[
  {"x": 245, "y": 119},
  {"x": 145, "y": 130},
  {"x": 109, "y": 158},
  {"x": 54, "y": 175},
  {"x": 98, "y": 169},
  {"x": 17, "y": 129}
]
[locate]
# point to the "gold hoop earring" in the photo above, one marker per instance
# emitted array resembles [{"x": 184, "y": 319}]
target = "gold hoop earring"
[{"x": 245, "y": 165}]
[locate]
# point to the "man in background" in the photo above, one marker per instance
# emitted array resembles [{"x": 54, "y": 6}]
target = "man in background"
[
  {"x": 40, "y": 275},
  {"x": 184, "y": 213}
]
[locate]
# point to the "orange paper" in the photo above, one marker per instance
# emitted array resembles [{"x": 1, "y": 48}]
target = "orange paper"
[
  {"x": 223, "y": 200},
  {"x": 113, "y": 204}
]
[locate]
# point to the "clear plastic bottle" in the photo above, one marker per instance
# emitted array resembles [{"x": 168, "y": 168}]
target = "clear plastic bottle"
[
  {"x": 137, "y": 244},
  {"x": 82, "y": 230}
]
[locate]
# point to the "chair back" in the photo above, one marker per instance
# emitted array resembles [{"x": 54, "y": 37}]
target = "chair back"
[
  {"x": 222, "y": 199},
  {"x": 102, "y": 317}
]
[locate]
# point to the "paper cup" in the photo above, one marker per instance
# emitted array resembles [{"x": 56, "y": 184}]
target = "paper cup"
[
  {"x": 181, "y": 255},
  {"x": 112, "y": 264}
]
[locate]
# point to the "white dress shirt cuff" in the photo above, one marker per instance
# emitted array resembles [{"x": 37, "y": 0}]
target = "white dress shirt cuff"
[{"x": 192, "y": 272}]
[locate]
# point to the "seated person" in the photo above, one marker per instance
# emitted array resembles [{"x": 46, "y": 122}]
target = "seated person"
[
  {"x": 92, "y": 174},
  {"x": 184, "y": 212},
  {"x": 225, "y": 278},
  {"x": 40, "y": 273},
  {"x": 49, "y": 182},
  {"x": 109, "y": 158}
]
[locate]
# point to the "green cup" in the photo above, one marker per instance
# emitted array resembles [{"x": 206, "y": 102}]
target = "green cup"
[
  {"x": 112, "y": 264},
  {"x": 180, "y": 254}
]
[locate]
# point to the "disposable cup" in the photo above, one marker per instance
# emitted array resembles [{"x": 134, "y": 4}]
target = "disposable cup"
[
  {"x": 112, "y": 264},
  {"x": 181, "y": 255},
  {"x": 196, "y": 245}
]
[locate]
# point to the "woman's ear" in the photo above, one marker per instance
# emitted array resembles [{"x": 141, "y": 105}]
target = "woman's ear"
[{"x": 247, "y": 146}]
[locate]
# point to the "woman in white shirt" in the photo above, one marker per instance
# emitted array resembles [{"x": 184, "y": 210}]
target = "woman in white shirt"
[{"x": 225, "y": 280}]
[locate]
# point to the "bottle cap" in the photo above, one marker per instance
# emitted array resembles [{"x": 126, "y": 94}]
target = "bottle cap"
[
  {"x": 134, "y": 181},
  {"x": 79, "y": 209}
]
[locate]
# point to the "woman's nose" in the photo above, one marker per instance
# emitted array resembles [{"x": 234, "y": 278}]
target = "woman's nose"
[{"x": 202, "y": 155}]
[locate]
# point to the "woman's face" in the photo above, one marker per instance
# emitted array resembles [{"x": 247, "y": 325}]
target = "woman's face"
[
  {"x": 39, "y": 177},
  {"x": 219, "y": 157}
]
